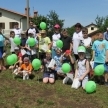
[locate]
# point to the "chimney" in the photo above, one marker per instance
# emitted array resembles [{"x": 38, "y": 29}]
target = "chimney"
[
  {"x": 26, "y": 11},
  {"x": 35, "y": 13}
]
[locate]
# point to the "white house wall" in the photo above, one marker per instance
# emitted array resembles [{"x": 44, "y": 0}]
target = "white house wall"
[
  {"x": 9, "y": 17},
  {"x": 89, "y": 29}
]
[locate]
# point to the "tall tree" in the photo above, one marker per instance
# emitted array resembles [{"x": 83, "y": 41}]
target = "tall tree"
[{"x": 102, "y": 23}]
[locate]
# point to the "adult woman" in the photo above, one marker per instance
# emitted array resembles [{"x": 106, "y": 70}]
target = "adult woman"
[
  {"x": 56, "y": 36},
  {"x": 77, "y": 37}
]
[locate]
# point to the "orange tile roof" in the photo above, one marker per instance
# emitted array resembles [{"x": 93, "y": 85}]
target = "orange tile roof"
[{"x": 14, "y": 12}]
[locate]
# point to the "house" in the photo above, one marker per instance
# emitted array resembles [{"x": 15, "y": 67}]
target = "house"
[
  {"x": 92, "y": 30},
  {"x": 8, "y": 18}
]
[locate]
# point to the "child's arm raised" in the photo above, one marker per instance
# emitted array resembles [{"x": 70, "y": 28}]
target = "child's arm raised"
[
  {"x": 71, "y": 58},
  {"x": 86, "y": 72}
]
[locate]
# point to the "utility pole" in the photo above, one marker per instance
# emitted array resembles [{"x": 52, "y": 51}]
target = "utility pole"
[{"x": 27, "y": 13}]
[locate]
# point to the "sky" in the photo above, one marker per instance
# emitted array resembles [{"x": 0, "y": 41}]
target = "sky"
[{"x": 72, "y": 11}]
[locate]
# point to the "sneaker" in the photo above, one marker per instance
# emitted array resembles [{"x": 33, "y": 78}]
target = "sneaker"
[
  {"x": 65, "y": 80},
  {"x": 106, "y": 83}
]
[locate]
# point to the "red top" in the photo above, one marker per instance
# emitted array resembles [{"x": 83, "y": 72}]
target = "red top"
[{"x": 19, "y": 55}]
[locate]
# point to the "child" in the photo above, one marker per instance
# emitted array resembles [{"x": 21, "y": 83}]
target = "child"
[
  {"x": 11, "y": 39},
  {"x": 19, "y": 61},
  {"x": 67, "y": 58},
  {"x": 2, "y": 53},
  {"x": 87, "y": 43},
  {"x": 100, "y": 53},
  {"x": 44, "y": 44},
  {"x": 49, "y": 72},
  {"x": 31, "y": 51},
  {"x": 82, "y": 68},
  {"x": 58, "y": 62},
  {"x": 25, "y": 69}
]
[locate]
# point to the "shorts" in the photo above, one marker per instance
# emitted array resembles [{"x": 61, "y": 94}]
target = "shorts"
[
  {"x": 106, "y": 68},
  {"x": 49, "y": 75},
  {"x": 96, "y": 64},
  {"x": 1, "y": 52}
]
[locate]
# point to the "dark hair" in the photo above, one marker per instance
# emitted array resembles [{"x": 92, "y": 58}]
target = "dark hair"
[
  {"x": 16, "y": 23},
  {"x": 85, "y": 30},
  {"x": 78, "y": 25},
  {"x": 12, "y": 32}
]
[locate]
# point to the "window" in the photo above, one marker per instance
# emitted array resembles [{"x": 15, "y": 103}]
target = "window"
[
  {"x": 11, "y": 24},
  {"x": 0, "y": 14},
  {"x": 2, "y": 25},
  {"x": 92, "y": 28}
]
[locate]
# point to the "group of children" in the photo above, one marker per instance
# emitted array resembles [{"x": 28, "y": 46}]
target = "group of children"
[{"x": 52, "y": 67}]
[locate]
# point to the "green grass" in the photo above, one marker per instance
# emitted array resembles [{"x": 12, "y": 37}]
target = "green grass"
[{"x": 16, "y": 93}]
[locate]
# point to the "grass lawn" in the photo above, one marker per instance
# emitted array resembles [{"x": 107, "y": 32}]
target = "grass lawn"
[{"x": 16, "y": 93}]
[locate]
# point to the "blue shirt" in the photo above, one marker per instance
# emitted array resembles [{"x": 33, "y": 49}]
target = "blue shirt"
[
  {"x": 100, "y": 48},
  {"x": 1, "y": 41},
  {"x": 58, "y": 62}
]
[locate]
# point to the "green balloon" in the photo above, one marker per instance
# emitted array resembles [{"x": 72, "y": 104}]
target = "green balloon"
[
  {"x": 90, "y": 87},
  {"x": 10, "y": 60},
  {"x": 59, "y": 44},
  {"x": 43, "y": 25},
  {"x": 17, "y": 40},
  {"x": 15, "y": 57},
  {"x": 31, "y": 42},
  {"x": 36, "y": 63},
  {"x": 66, "y": 68},
  {"x": 99, "y": 70}
]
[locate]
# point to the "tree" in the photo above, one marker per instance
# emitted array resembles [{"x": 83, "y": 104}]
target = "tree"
[
  {"x": 51, "y": 19},
  {"x": 102, "y": 23},
  {"x": 37, "y": 20},
  {"x": 71, "y": 30}
]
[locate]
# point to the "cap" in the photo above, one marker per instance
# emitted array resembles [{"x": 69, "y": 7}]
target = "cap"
[
  {"x": 78, "y": 25},
  {"x": 22, "y": 32},
  {"x": 57, "y": 26},
  {"x": 48, "y": 51},
  {"x": 30, "y": 32},
  {"x": 81, "y": 49},
  {"x": 43, "y": 31},
  {"x": 26, "y": 59},
  {"x": 16, "y": 48},
  {"x": 58, "y": 49},
  {"x": 67, "y": 51}
]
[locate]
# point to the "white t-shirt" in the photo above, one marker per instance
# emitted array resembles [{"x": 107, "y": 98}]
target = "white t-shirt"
[
  {"x": 17, "y": 32},
  {"x": 13, "y": 45},
  {"x": 32, "y": 30},
  {"x": 87, "y": 41},
  {"x": 55, "y": 38},
  {"x": 77, "y": 37}
]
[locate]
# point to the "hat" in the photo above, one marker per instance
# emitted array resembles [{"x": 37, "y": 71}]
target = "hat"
[
  {"x": 26, "y": 59},
  {"x": 48, "y": 51},
  {"x": 30, "y": 31},
  {"x": 58, "y": 49},
  {"x": 57, "y": 26},
  {"x": 78, "y": 25},
  {"x": 22, "y": 32},
  {"x": 81, "y": 49},
  {"x": 16, "y": 48},
  {"x": 43, "y": 31},
  {"x": 67, "y": 51}
]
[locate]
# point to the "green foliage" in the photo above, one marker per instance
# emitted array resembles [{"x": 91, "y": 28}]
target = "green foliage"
[
  {"x": 51, "y": 19},
  {"x": 102, "y": 23},
  {"x": 71, "y": 30}
]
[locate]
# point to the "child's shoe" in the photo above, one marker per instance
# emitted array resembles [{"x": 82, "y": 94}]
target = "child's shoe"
[
  {"x": 106, "y": 83},
  {"x": 65, "y": 80}
]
